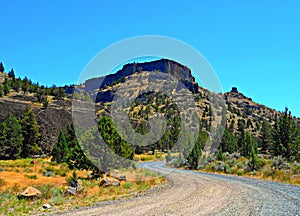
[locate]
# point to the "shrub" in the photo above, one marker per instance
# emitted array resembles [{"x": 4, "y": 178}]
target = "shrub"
[
  {"x": 278, "y": 162},
  {"x": 46, "y": 191},
  {"x": 62, "y": 173},
  {"x": 146, "y": 158},
  {"x": 50, "y": 168},
  {"x": 297, "y": 169},
  {"x": 55, "y": 192},
  {"x": 227, "y": 168},
  {"x": 127, "y": 185},
  {"x": 148, "y": 173},
  {"x": 73, "y": 178},
  {"x": 15, "y": 188},
  {"x": 2, "y": 182},
  {"x": 240, "y": 165},
  {"x": 269, "y": 173},
  {"x": 53, "y": 163},
  {"x": 240, "y": 172},
  {"x": 158, "y": 155},
  {"x": 220, "y": 156},
  {"x": 28, "y": 170},
  {"x": 31, "y": 176}
]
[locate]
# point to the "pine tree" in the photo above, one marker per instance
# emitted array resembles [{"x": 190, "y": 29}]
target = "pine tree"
[
  {"x": 17, "y": 84},
  {"x": 31, "y": 134},
  {"x": 246, "y": 144},
  {"x": 10, "y": 138},
  {"x": 60, "y": 150},
  {"x": 113, "y": 140},
  {"x": 75, "y": 157},
  {"x": 194, "y": 157},
  {"x": 1, "y": 67},
  {"x": 1, "y": 90},
  {"x": 265, "y": 141},
  {"x": 254, "y": 162},
  {"x": 11, "y": 73},
  {"x": 249, "y": 123},
  {"x": 6, "y": 89},
  {"x": 240, "y": 135},
  {"x": 25, "y": 86},
  {"x": 231, "y": 126},
  {"x": 228, "y": 142},
  {"x": 286, "y": 136}
]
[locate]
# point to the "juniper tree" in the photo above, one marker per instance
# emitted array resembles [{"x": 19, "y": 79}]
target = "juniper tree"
[
  {"x": 10, "y": 138},
  {"x": 1, "y": 67},
  {"x": 254, "y": 162},
  {"x": 286, "y": 136},
  {"x": 60, "y": 150},
  {"x": 265, "y": 138},
  {"x": 11, "y": 73},
  {"x": 228, "y": 142},
  {"x": 31, "y": 134}
]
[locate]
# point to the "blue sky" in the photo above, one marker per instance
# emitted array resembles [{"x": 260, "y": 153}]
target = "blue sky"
[{"x": 254, "y": 45}]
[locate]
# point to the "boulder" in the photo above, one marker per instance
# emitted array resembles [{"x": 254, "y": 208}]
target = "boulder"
[
  {"x": 46, "y": 206},
  {"x": 75, "y": 188},
  {"x": 121, "y": 178},
  {"x": 71, "y": 190},
  {"x": 30, "y": 192},
  {"x": 106, "y": 182}
]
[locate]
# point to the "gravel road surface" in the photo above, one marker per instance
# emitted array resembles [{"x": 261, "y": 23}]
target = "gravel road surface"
[{"x": 194, "y": 193}]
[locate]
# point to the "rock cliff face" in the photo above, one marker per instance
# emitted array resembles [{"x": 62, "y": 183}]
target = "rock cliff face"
[
  {"x": 173, "y": 68},
  {"x": 51, "y": 120}
]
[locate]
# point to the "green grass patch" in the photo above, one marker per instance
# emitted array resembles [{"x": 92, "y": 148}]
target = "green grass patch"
[{"x": 31, "y": 176}]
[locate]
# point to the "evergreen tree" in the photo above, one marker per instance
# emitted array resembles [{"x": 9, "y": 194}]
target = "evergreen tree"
[
  {"x": 6, "y": 89},
  {"x": 1, "y": 90},
  {"x": 31, "y": 134},
  {"x": 194, "y": 157},
  {"x": 249, "y": 123},
  {"x": 10, "y": 138},
  {"x": 25, "y": 86},
  {"x": 247, "y": 143},
  {"x": 231, "y": 126},
  {"x": 46, "y": 103},
  {"x": 228, "y": 142},
  {"x": 11, "y": 73},
  {"x": 240, "y": 135},
  {"x": 113, "y": 140},
  {"x": 265, "y": 140},
  {"x": 1, "y": 67},
  {"x": 254, "y": 162},
  {"x": 75, "y": 157},
  {"x": 60, "y": 150},
  {"x": 68, "y": 150},
  {"x": 286, "y": 136},
  {"x": 17, "y": 85}
]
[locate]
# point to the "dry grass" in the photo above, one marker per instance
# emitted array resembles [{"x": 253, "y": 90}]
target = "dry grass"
[
  {"x": 16, "y": 175},
  {"x": 158, "y": 156}
]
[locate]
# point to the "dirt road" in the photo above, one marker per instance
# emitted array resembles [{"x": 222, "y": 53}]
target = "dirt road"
[{"x": 192, "y": 193}]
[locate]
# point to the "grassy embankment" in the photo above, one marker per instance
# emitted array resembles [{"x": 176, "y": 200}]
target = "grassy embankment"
[
  {"x": 16, "y": 175},
  {"x": 269, "y": 168}
]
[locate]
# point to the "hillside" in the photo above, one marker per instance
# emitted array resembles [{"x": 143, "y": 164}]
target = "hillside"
[
  {"x": 238, "y": 106},
  {"x": 51, "y": 119},
  {"x": 212, "y": 107}
]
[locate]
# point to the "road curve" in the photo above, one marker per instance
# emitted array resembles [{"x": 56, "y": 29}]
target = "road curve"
[{"x": 193, "y": 193}]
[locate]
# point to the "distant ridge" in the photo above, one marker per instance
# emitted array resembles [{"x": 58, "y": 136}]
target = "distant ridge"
[{"x": 179, "y": 71}]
